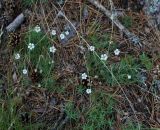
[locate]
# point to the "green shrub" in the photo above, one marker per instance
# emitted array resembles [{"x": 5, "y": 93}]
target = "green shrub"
[
  {"x": 71, "y": 111},
  {"x": 146, "y": 61},
  {"x": 116, "y": 72},
  {"x": 39, "y": 58},
  {"x": 100, "y": 114}
]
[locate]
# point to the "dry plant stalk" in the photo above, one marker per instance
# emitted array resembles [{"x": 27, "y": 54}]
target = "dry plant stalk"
[{"x": 131, "y": 36}]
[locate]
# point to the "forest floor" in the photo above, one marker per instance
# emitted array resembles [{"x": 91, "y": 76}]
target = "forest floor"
[{"x": 68, "y": 66}]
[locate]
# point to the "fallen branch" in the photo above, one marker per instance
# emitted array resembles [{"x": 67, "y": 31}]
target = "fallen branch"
[
  {"x": 17, "y": 21},
  {"x": 131, "y": 36}
]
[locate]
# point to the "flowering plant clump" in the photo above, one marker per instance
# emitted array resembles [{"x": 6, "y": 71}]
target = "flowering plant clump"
[
  {"x": 37, "y": 57},
  {"x": 70, "y": 69}
]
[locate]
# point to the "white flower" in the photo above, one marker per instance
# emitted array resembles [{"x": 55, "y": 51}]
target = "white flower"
[
  {"x": 17, "y": 56},
  {"x": 67, "y": 32},
  {"x": 25, "y": 71},
  {"x": 129, "y": 76},
  {"x": 88, "y": 91},
  {"x": 116, "y": 52},
  {"x": 52, "y": 49},
  {"x": 37, "y": 29},
  {"x": 62, "y": 36},
  {"x": 104, "y": 57},
  {"x": 41, "y": 71},
  {"x": 53, "y": 32},
  {"x": 35, "y": 70},
  {"x": 96, "y": 76},
  {"x": 39, "y": 85},
  {"x": 92, "y": 48},
  {"x": 110, "y": 42},
  {"x": 84, "y": 76},
  {"x": 31, "y": 46},
  {"x": 51, "y": 62}
]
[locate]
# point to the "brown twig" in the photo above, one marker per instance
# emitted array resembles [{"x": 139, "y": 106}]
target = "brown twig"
[{"x": 131, "y": 36}]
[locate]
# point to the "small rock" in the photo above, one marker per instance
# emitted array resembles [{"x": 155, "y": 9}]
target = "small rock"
[
  {"x": 143, "y": 78},
  {"x": 85, "y": 12},
  {"x": 156, "y": 85},
  {"x": 53, "y": 101}
]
